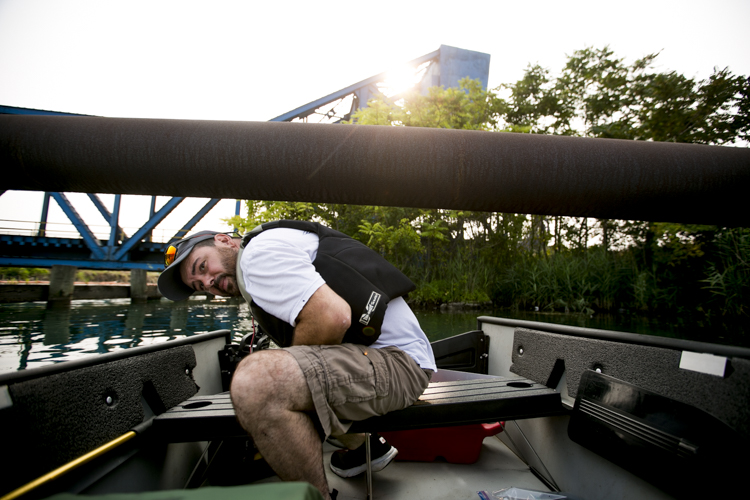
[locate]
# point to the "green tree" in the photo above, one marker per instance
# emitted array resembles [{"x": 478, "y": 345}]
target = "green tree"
[
  {"x": 599, "y": 95},
  {"x": 259, "y": 212}
]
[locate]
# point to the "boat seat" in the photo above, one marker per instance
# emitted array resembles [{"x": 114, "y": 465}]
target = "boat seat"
[
  {"x": 472, "y": 401},
  {"x": 443, "y": 404}
]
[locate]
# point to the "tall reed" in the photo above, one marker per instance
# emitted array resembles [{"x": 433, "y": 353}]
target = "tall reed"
[{"x": 569, "y": 282}]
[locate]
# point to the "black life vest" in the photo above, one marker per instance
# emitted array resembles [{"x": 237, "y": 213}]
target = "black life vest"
[{"x": 361, "y": 276}]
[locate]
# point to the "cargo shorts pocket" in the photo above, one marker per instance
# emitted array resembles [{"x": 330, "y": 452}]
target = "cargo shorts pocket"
[{"x": 355, "y": 373}]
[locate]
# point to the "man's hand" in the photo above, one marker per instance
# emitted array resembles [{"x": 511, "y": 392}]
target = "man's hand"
[{"x": 323, "y": 320}]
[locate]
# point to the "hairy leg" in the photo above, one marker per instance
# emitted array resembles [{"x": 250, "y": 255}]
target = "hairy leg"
[
  {"x": 352, "y": 441},
  {"x": 271, "y": 398}
]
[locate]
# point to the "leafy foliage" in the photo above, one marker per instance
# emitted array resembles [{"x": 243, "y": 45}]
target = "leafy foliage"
[
  {"x": 467, "y": 107},
  {"x": 729, "y": 273},
  {"x": 16, "y": 274},
  {"x": 598, "y": 95}
]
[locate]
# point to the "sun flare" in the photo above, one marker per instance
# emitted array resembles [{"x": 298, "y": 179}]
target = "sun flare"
[{"x": 400, "y": 79}]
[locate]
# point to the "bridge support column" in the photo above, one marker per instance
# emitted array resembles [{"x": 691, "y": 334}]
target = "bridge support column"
[
  {"x": 138, "y": 285},
  {"x": 61, "y": 286}
]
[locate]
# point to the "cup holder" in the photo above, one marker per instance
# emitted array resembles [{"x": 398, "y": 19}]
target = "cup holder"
[{"x": 196, "y": 405}]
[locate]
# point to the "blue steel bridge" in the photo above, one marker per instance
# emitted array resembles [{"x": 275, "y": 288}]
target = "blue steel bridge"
[{"x": 42, "y": 247}]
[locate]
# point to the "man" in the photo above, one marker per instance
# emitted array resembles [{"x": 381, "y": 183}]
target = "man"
[{"x": 351, "y": 346}]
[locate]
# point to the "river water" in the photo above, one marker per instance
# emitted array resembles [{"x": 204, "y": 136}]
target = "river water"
[{"x": 32, "y": 335}]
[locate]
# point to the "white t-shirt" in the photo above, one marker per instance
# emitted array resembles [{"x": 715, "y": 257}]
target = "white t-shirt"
[{"x": 277, "y": 267}]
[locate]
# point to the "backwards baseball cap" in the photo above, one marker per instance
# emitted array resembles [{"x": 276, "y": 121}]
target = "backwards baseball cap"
[{"x": 170, "y": 282}]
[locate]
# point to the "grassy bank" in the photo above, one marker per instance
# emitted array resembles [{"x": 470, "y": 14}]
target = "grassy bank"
[{"x": 24, "y": 275}]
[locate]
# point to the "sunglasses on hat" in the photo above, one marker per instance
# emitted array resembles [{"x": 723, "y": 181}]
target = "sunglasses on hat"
[{"x": 185, "y": 245}]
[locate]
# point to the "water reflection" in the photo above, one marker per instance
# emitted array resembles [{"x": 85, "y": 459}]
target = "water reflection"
[
  {"x": 134, "y": 319},
  {"x": 32, "y": 335},
  {"x": 179, "y": 317},
  {"x": 56, "y": 325}
]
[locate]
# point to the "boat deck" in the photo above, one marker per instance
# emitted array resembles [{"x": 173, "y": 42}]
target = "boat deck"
[{"x": 497, "y": 468}]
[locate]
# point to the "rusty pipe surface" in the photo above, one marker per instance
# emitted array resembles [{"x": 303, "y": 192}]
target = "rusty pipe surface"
[{"x": 369, "y": 165}]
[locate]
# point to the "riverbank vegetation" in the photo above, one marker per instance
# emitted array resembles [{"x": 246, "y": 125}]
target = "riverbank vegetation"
[
  {"x": 34, "y": 274},
  {"x": 562, "y": 263}
]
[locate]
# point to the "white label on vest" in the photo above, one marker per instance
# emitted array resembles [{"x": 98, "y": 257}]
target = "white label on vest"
[{"x": 370, "y": 308}]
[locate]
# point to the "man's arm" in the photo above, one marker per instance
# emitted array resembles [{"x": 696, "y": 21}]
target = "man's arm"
[{"x": 323, "y": 320}]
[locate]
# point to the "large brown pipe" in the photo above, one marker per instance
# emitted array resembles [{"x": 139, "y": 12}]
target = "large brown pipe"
[{"x": 394, "y": 166}]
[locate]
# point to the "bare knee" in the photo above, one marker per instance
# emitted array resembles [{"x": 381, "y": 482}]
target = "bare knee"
[
  {"x": 269, "y": 380},
  {"x": 251, "y": 382}
]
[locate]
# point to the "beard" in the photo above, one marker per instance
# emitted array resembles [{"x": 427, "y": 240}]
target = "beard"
[{"x": 226, "y": 282}]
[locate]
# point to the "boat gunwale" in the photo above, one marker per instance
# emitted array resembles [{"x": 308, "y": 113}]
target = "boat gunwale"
[
  {"x": 96, "y": 359},
  {"x": 622, "y": 337}
]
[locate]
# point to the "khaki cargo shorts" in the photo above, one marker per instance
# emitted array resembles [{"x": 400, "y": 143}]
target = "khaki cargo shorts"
[{"x": 351, "y": 382}]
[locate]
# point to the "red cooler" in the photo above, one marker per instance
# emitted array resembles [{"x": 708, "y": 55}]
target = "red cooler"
[{"x": 457, "y": 445}]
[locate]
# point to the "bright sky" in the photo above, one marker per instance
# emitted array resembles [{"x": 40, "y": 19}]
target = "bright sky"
[{"x": 232, "y": 60}]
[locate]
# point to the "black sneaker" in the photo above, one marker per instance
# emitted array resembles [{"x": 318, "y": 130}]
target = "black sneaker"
[{"x": 349, "y": 463}]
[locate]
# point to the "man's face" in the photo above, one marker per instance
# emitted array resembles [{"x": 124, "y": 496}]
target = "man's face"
[{"x": 212, "y": 269}]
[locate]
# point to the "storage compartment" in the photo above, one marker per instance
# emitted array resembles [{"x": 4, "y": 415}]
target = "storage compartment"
[
  {"x": 458, "y": 445},
  {"x": 664, "y": 441}
]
